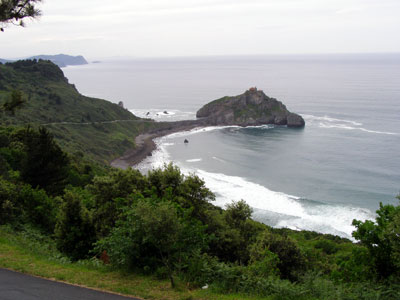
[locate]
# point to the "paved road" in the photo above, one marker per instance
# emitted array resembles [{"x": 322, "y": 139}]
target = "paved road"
[{"x": 17, "y": 286}]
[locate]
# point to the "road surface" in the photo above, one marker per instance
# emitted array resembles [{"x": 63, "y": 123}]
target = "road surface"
[{"x": 17, "y": 286}]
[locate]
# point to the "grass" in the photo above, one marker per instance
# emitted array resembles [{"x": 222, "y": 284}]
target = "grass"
[{"x": 31, "y": 253}]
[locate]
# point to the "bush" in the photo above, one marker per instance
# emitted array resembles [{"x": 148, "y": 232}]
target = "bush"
[
  {"x": 153, "y": 235},
  {"x": 75, "y": 234},
  {"x": 291, "y": 263},
  {"x": 111, "y": 194},
  {"x": 37, "y": 208},
  {"x": 327, "y": 246},
  {"x": 9, "y": 209},
  {"x": 381, "y": 238}
]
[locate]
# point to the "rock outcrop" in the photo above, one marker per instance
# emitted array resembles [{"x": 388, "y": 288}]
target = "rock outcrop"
[{"x": 251, "y": 108}]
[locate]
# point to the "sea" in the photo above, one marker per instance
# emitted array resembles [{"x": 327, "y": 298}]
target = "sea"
[{"x": 339, "y": 167}]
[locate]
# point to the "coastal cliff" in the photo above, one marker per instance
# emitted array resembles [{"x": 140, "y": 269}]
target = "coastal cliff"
[{"x": 248, "y": 109}]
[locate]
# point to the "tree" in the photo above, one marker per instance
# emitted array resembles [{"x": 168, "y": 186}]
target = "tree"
[
  {"x": 15, "y": 101},
  {"x": 75, "y": 233},
  {"x": 45, "y": 164},
  {"x": 14, "y": 11},
  {"x": 279, "y": 251},
  {"x": 381, "y": 238},
  {"x": 154, "y": 234},
  {"x": 112, "y": 193}
]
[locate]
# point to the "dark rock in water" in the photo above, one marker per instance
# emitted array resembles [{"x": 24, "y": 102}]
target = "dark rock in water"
[
  {"x": 165, "y": 112},
  {"x": 186, "y": 141},
  {"x": 147, "y": 113},
  {"x": 294, "y": 120},
  {"x": 251, "y": 108}
]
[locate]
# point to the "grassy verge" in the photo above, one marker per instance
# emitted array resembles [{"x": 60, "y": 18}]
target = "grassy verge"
[{"x": 30, "y": 253}]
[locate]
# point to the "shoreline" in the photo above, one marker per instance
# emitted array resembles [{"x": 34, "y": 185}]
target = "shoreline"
[{"x": 145, "y": 144}]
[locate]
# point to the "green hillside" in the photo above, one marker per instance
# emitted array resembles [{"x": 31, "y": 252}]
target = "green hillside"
[
  {"x": 98, "y": 128},
  {"x": 50, "y": 98}
]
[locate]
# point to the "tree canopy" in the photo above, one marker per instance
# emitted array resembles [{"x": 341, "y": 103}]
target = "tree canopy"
[{"x": 14, "y": 11}]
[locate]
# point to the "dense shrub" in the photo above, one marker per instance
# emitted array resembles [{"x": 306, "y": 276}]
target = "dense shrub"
[
  {"x": 153, "y": 235},
  {"x": 74, "y": 233},
  {"x": 8, "y": 208},
  {"x": 111, "y": 194},
  {"x": 291, "y": 263},
  {"x": 381, "y": 238},
  {"x": 326, "y": 246}
]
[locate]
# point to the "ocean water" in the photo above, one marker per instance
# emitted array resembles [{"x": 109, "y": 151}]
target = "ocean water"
[{"x": 338, "y": 168}]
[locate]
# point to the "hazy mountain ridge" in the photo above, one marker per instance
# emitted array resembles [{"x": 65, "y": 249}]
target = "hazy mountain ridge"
[{"x": 61, "y": 60}]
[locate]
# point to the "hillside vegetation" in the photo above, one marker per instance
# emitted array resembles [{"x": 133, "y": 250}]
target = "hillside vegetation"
[{"x": 47, "y": 99}]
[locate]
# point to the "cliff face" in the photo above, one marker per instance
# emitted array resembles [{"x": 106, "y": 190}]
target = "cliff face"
[{"x": 251, "y": 108}]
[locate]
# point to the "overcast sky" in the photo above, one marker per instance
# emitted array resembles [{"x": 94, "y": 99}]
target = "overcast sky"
[{"x": 104, "y": 28}]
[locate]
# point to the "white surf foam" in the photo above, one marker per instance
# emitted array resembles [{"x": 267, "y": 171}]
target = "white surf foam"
[
  {"x": 341, "y": 126},
  {"x": 329, "y": 119},
  {"x": 289, "y": 211},
  {"x": 328, "y": 122},
  {"x": 164, "y": 115},
  {"x": 196, "y": 131},
  {"x": 219, "y": 159},
  {"x": 193, "y": 160}
]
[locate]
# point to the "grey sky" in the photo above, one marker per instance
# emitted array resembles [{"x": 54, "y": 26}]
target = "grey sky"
[{"x": 99, "y": 28}]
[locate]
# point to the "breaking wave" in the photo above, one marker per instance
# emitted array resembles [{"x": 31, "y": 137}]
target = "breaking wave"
[{"x": 328, "y": 122}]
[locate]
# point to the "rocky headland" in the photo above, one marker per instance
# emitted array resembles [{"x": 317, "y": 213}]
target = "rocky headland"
[{"x": 251, "y": 108}]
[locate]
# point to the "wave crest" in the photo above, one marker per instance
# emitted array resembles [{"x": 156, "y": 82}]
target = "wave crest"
[{"x": 328, "y": 122}]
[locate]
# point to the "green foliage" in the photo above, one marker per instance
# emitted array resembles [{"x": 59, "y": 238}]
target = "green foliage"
[
  {"x": 21, "y": 203},
  {"x": 237, "y": 213},
  {"x": 8, "y": 207},
  {"x": 291, "y": 263},
  {"x": 187, "y": 191},
  {"x": 264, "y": 263},
  {"x": 355, "y": 266},
  {"x": 14, "y": 11},
  {"x": 232, "y": 232},
  {"x": 111, "y": 194},
  {"x": 154, "y": 234},
  {"x": 15, "y": 101},
  {"x": 74, "y": 233},
  {"x": 45, "y": 164},
  {"x": 381, "y": 238},
  {"x": 38, "y": 208},
  {"x": 326, "y": 246}
]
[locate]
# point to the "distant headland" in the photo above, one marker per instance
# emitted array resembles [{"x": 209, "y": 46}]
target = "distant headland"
[{"x": 61, "y": 60}]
